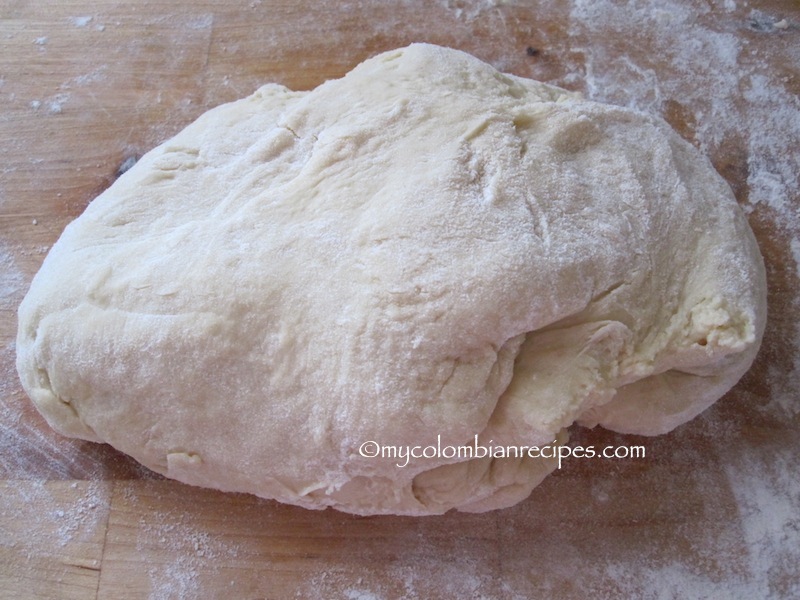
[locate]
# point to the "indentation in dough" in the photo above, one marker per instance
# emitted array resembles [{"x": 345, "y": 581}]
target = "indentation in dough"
[
  {"x": 525, "y": 121},
  {"x": 61, "y": 415},
  {"x": 178, "y": 461},
  {"x": 513, "y": 89},
  {"x": 476, "y": 130},
  {"x": 441, "y": 485},
  {"x": 177, "y": 159},
  {"x": 574, "y": 134}
]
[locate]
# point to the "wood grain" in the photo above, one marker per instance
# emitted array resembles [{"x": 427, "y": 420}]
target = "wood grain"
[{"x": 87, "y": 86}]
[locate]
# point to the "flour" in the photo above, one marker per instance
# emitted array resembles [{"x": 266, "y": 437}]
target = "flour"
[
  {"x": 425, "y": 568},
  {"x": 768, "y": 493},
  {"x": 55, "y": 104},
  {"x": 467, "y": 10},
  {"x": 94, "y": 76},
  {"x": 12, "y": 280},
  {"x": 81, "y": 21},
  {"x": 54, "y": 523},
  {"x": 187, "y": 551},
  {"x": 740, "y": 99}
]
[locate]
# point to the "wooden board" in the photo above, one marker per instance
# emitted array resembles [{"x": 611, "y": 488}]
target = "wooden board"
[{"x": 712, "y": 511}]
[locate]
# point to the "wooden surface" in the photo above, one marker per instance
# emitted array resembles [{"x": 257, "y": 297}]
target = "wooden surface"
[{"x": 712, "y": 511}]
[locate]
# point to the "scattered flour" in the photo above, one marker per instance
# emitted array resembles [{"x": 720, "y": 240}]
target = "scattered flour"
[
  {"x": 12, "y": 280},
  {"x": 767, "y": 490},
  {"x": 740, "y": 99},
  {"x": 52, "y": 523},
  {"x": 187, "y": 552},
  {"x": 81, "y": 21},
  {"x": 470, "y": 9},
  {"x": 28, "y": 448},
  {"x": 94, "y": 76},
  {"x": 55, "y": 104}
]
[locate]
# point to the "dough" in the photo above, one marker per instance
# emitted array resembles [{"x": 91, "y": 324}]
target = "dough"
[{"x": 423, "y": 251}]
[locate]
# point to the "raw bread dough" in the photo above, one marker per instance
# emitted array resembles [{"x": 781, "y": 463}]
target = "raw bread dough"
[{"x": 425, "y": 247}]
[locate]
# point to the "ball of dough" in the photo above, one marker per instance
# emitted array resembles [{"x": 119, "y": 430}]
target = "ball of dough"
[{"x": 422, "y": 252}]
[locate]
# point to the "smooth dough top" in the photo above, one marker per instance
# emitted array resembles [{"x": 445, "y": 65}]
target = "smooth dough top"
[{"x": 424, "y": 248}]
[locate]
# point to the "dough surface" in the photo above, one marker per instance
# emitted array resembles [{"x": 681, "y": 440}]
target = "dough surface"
[{"x": 425, "y": 247}]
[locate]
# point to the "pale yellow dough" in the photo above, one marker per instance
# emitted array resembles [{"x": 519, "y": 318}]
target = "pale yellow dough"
[{"x": 425, "y": 247}]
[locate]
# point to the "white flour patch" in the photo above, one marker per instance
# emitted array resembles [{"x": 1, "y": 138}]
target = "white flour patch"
[
  {"x": 199, "y": 22},
  {"x": 55, "y": 104},
  {"x": 694, "y": 52},
  {"x": 772, "y": 122},
  {"x": 94, "y": 76},
  {"x": 81, "y": 21},
  {"x": 51, "y": 518},
  {"x": 469, "y": 10},
  {"x": 785, "y": 386},
  {"x": 360, "y": 594},
  {"x": 795, "y": 245},
  {"x": 188, "y": 553},
  {"x": 12, "y": 280},
  {"x": 768, "y": 496}
]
